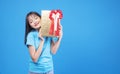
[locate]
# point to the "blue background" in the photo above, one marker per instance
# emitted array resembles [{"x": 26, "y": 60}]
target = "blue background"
[{"x": 91, "y": 40}]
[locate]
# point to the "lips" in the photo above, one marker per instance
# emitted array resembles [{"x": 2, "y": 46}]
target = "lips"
[{"x": 36, "y": 24}]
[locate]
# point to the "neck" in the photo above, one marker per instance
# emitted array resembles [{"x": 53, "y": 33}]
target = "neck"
[{"x": 38, "y": 29}]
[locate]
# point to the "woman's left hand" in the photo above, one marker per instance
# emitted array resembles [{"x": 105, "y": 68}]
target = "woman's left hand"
[{"x": 60, "y": 31}]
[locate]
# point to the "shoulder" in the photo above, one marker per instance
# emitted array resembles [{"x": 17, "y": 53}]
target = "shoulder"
[{"x": 32, "y": 33}]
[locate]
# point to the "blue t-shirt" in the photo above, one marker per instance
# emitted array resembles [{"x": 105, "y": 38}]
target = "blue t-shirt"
[{"x": 45, "y": 62}]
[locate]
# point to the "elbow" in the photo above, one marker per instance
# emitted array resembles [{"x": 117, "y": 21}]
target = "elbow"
[
  {"x": 34, "y": 60},
  {"x": 53, "y": 52}
]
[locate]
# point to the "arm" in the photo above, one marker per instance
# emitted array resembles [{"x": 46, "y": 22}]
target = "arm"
[
  {"x": 55, "y": 45},
  {"x": 35, "y": 54}
]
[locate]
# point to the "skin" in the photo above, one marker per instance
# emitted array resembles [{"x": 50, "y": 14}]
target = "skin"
[{"x": 35, "y": 22}]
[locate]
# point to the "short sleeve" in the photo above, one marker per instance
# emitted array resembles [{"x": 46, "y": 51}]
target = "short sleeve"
[
  {"x": 55, "y": 39},
  {"x": 30, "y": 39}
]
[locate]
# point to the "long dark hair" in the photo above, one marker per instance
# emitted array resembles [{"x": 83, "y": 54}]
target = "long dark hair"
[{"x": 28, "y": 28}]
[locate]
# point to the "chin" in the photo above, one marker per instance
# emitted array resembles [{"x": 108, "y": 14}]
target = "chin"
[{"x": 37, "y": 27}]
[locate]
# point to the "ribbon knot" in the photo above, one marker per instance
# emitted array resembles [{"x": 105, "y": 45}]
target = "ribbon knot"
[{"x": 55, "y": 16}]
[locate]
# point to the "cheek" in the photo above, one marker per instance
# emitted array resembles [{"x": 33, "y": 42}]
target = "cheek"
[
  {"x": 39, "y": 19},
  {"x": 31, "y": 24}
]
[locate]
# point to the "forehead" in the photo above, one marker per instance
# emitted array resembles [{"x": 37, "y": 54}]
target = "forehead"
[{"x": 32, "y": 16}]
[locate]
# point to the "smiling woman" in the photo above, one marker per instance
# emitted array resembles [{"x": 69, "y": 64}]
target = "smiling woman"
[
  {"x": 90, "y": 45},
  {"x": 40, "y": 48},
  {"x": 34, "y": 21}
]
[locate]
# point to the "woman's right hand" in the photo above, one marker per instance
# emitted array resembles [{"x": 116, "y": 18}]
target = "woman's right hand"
[{"x": 40, "y": 36}]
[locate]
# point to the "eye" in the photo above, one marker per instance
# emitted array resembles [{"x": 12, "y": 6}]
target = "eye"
[
  {"x": 30, "y": 21},
  {"x": 36, "y": 17}
]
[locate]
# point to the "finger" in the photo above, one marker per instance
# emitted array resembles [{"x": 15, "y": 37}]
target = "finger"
[
  {"x": 60, "y": 27},
  {"x": 59, "y": 22},
  {"x": 40, "y": 32}
]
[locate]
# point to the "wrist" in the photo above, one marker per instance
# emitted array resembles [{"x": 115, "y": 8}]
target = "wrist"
[
  {"x": 42, "y": 41},
  {"x": 59, "y": 38}
]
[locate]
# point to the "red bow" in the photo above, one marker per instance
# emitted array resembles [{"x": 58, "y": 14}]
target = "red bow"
[{"x": 55, "y": 16}]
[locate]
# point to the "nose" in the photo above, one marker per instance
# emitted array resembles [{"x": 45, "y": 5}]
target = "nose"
[{"x": 35, "y": 22}]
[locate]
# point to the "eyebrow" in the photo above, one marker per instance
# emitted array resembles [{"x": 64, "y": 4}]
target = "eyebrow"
[
  {"x": 35, "y": 15},
  {"x": 30, "y": 20}
]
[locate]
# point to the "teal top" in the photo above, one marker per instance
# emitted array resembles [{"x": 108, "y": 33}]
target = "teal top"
[{"x": 45, "y": 62}]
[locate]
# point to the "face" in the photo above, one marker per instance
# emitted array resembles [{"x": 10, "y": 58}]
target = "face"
[{"x": 34, "y": 21}]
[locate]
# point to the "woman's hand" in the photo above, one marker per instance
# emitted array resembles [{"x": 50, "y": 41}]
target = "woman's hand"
[
  {"x": 40, "y": 36},
  {"x": 60, "y": 31}
]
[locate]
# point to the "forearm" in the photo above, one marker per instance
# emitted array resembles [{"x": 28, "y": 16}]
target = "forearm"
[
  {"x": 55, "y": 46},
  {"x": 38, "y": 51}
]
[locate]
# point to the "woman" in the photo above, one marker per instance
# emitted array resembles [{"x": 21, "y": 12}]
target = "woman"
[{"x": 40, "y": 48}]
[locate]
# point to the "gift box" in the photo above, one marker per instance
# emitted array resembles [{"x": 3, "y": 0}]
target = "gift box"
[{"x": 50, "y": 22}]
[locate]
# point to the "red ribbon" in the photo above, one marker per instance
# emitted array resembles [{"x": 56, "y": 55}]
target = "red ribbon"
[{"x": 54, "y": 12}]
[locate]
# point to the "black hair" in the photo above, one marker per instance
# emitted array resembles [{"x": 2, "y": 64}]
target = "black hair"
[{"x": 28, "y": 28}]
